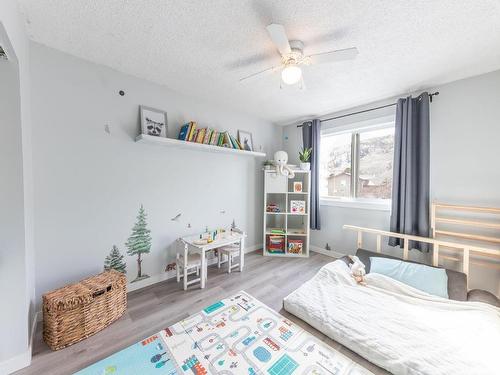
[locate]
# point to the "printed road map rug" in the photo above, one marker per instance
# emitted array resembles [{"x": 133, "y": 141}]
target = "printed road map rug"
[{"x": 237, "y": 335}]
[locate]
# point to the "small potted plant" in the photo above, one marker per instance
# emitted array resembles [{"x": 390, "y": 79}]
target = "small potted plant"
[
  {"x": 268, "y": 164},
  {"x": 305, "y": 157}
]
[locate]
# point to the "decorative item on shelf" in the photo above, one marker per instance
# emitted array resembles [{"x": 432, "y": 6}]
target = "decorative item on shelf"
[
  {"x": 272, "y": 207},
  {"x": 276, "y": 244},
  {"x": 296, "y": 231},
  {"x": 305, "y": 157},
  {"x": 139, "y": 242},
  {"x": 297, "y": 207},
  {"x": 295, "y": 246},
  {"x": 327, "y": 247},
  {"x": 280, "y": 161},
  {"x": 268, "y": 164},
  {"x": 297, "y": 186},
  {"x": 153, "y": 121},
  {"x": 245, "y": 140},
  {"x": 114, "y": 261}
]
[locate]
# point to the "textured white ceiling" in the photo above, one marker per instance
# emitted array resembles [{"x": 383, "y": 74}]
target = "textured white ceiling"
[{"x": 202, "y": 48}]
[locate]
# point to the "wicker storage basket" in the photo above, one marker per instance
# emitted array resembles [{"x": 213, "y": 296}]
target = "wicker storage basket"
[{"x": 77, "y": 311}]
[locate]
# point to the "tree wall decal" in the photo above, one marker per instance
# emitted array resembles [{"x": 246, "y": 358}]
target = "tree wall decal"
[
  {"x": 139, "y": 242},
  {"x": 114, "y": 261}
]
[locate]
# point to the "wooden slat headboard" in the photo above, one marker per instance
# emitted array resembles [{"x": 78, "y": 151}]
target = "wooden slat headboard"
[{"x": 467, "y": 223}]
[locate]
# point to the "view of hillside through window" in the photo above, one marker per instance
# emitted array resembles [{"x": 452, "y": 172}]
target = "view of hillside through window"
[{"x": 376, "y": 152}]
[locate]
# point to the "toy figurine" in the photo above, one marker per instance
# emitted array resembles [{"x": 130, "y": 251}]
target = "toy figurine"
[{"x": 280, "y": 160}]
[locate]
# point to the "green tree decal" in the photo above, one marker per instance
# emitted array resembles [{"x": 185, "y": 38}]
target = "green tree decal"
[
  {"x": 139, "y": 242},
  {"x": 114, "y": 261}
]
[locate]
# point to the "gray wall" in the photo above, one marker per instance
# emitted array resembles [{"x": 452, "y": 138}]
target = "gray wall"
[
  {"x": 89, "y": 184},
  {"x": 12, "y": 246},
  {"x": 464, "y": 155},
  {"x": 16, "y": 210}
]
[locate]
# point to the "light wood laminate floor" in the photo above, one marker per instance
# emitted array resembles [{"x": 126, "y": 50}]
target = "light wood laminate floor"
[{"x": 153, "y": 308}]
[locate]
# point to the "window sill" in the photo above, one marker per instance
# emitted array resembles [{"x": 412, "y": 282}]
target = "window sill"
[{"x": 365, "y": 204}]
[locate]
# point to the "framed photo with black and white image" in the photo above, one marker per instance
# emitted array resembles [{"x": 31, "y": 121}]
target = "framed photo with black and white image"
[
  {"x": 245, "y": 139},
  {"x": 153, "y": 121}
]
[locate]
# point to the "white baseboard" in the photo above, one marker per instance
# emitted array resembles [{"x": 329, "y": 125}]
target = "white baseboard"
[
  {"x": 16, "y": 363},
  {"x": 24, "y": 359},
  {"x": 330, "y": 253},
  {"x": 160, "y": 277},
  {"x": 171, "y": 274}
]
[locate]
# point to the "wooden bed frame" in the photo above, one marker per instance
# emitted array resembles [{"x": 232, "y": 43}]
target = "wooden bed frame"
[
  {"x": 456, "y": 249},
  {"x": 453, "y": 216}
]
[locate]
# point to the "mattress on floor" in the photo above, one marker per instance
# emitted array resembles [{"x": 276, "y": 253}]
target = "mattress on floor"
[{"x": 397, "y": 327}]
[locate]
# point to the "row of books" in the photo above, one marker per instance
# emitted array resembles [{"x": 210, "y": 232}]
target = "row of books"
[
  {"x": 276, "y": 244},
  {"x": 190, "y": 132}
]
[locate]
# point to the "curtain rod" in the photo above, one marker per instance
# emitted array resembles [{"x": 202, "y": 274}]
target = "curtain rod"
[{"x": 368, "y": 110}]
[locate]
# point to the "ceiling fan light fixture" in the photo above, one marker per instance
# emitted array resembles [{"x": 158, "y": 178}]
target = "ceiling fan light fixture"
[{"x": 291, "y": 74}]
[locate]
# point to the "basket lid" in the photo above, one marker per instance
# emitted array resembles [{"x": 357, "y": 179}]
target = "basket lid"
[{"x": 84, "y": 291}]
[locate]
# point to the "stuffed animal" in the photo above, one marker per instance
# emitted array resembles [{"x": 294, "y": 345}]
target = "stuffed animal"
[
  {"x": 357, "y": 270},
  {"x": 280, "y": 160}
]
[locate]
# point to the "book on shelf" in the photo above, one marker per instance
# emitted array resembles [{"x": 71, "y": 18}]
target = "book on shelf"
[
  {"x": 208, "y": 134},
  {"x": 184, "y": 132},
  {"x": 201, "y": 135},
  {"x": 192, "y": 131},
  {"x": 214, "y": 138},
  {"x": 276, "y": 230},
  {"x": 234, "y": 142},
  {"x": 297, "y": 207},
  {"x": 295, "y": 246}
]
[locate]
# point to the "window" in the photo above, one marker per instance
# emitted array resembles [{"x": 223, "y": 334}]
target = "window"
[{"x": 358, "y": 164}]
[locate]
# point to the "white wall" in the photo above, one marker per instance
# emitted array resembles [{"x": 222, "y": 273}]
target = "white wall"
[
  {"x": 465, "y": 133},
  {"x": 89, "y": 184},
  {"x": 16, "y": 245}
]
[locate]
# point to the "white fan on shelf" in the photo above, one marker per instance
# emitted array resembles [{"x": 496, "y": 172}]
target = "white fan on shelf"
[{"x": 292, "y": 57}]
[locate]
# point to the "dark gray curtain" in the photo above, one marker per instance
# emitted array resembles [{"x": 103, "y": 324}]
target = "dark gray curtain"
[
  {"x": 410, "y": 184},
  {"x": 311, "y": 131}
]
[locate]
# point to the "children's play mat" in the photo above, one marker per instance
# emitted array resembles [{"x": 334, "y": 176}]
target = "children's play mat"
[{"x": 237, "y": 335}]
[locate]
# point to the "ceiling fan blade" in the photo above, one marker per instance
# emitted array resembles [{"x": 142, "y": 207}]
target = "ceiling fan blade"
[
  {"x": 279, "y": 38},
  {"x": 332, "y": 56},
  {"x": 260, "y": 74}
]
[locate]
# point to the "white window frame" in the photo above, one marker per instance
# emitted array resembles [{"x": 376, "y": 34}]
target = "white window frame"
[{"x": 355, "y": 129}]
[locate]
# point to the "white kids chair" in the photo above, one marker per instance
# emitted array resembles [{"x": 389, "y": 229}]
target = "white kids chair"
[
  {"x": 230, "y": 252},
  {"x": 184, "y": 262}
]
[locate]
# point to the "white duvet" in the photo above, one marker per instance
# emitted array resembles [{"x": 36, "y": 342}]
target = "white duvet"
[{"x": 397, "y": 327}]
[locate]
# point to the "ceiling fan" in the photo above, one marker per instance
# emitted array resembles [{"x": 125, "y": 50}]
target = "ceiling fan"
[{"x": 292, "y": 57}]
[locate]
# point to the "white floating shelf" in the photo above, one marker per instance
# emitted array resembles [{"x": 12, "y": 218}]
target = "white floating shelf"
[{"x": 170, "y": 142}]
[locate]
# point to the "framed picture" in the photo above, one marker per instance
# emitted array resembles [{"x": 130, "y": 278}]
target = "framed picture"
[
  {"x": 298, "y": 207},
  {"x": 153, "y": 121},
  {"x": 297, "y": 187},
  {"x": 245, "y": 139}
]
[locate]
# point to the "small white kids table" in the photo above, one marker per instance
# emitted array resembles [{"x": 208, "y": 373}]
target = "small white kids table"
[{"x": 223, "y": 239}]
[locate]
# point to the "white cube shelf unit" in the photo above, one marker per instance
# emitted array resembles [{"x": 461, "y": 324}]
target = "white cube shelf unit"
[{"x": 286, "y": 232}]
